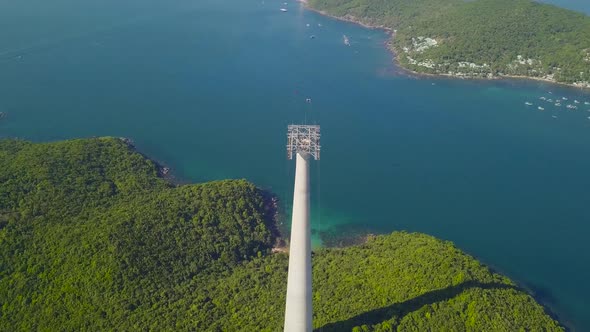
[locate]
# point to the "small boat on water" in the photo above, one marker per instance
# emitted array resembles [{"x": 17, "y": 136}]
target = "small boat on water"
[
  {"x": 549, "y": 100},
  {"x": 283, "y": 9},
  {"x": 554, "y": 116},
  {"x": 587, "y": 103},
  {"x": 557, "y": 104},
  {"x": 346, "y": 40},
  {"x": 576, "y": 102},
  {"x": 528, "y": 103},
  {"x": 540, "y": 108},
  {"x": 542, "y": 98},
  {"x": 564, "y": 98}
]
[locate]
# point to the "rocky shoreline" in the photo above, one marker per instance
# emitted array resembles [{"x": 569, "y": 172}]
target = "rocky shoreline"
[
  {"x": 163, "y": 171},
  {"x": 347, "y": 18},
  {"x": 272, "y": 208}
]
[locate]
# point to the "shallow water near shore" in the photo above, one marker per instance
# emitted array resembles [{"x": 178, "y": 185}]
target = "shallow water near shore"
[{"x": 209, "y": 87}]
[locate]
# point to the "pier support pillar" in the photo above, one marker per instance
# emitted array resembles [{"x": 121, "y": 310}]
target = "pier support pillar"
[{"x": 298, "y": 311}]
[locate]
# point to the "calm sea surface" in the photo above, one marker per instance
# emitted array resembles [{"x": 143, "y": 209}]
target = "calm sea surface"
[
  {"x": 208, "y": 87},
  {"x": 577, "y": 5}
]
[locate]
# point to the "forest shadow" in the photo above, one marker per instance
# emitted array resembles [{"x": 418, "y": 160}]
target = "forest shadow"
[
  {"x": 548, "y": 300},
  {"x": 403, "y": 308}
]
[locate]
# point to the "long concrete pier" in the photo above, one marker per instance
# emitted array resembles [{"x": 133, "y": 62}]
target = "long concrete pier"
[{"x": 298, "y": 314}]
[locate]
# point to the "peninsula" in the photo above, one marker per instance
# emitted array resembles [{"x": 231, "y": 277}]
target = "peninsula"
[
  {"x": 478, "y": 39},
  {"x": 92, "y": 238}
]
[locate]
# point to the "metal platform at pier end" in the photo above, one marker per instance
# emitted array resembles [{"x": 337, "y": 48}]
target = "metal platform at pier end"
[{"x": 303, "y": 139}]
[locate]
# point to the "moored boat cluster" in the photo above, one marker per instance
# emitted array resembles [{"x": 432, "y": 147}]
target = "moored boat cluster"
[{"x": 555, "y": 104}]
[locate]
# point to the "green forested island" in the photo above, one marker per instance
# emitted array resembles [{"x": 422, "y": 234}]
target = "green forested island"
[
  {"x": 92, "y": 238},
  {"x": 480, "y": 38}
]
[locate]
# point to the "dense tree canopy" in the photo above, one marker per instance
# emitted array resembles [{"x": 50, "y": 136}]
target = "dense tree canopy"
[
  {"x": 483, "y": 38},
  {"x": 91, "y": 235},
  {"x": 92, "y": 239}
]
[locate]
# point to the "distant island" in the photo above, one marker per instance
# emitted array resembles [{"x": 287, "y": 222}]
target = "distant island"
[
  {"x": 478, "y": 39},
  {"x": 93, "y": 238}
]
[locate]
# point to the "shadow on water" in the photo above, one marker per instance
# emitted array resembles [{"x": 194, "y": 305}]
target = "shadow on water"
[
  {"x": 540, "y": 293},
  {"x": 548, "y": 300},
  {"x": 399, "y": 310}
]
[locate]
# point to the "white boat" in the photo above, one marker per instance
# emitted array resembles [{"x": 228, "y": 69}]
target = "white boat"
[
  {"x": 283, "y": 9},
  {"x": 540, "y": 108},
  {"x": 543, "y": 98},
  {"x": 576, "y": 102},
  {"x": 346, "y": 40},
  {"x": 587, "y": 103},
  {"x": 564, "y": 98},
  {"x": 554, "y": 116},
  {"x": 526, "y": 103},
  {"x": 549, "y": 100},
  {"x": 557, "y": 104}
]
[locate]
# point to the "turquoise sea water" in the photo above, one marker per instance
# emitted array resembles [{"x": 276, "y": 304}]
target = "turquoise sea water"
[{"x": 208, "y": 87}]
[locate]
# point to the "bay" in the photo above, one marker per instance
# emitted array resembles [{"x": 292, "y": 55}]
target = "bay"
[{"x": 208, "y": 88}]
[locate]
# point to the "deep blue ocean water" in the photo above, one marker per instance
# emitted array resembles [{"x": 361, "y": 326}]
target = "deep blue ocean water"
[{"x": 208, "y": 88}]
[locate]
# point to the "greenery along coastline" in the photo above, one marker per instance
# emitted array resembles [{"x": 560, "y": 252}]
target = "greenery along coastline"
[
  {"x": 480, "y": 38},
  {"x": 91, "y": 238}
]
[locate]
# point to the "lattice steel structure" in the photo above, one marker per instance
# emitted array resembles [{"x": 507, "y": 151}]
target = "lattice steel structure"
[{"x": 304, "y": 139}]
